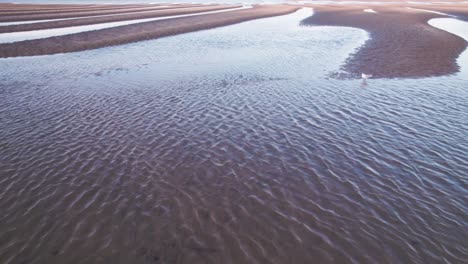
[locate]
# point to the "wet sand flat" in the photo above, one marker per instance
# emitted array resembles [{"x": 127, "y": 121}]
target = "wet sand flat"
[
  {"x": 460, "y": 11},
  {"x": 59, "y": 32},
  {"x": 58, "y": 15},
  {"x": 401, "y": 44},
  {"x": 18, "y": 11},
  {"x": 138, "y": 32},
  {"x": 40, "y": 8},
  {"x": 111, "y": 18},
  {"x": 12, "y": 6},
  {"x": 233, "y": 145}
]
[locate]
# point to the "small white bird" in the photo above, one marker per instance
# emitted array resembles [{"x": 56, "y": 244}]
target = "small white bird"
[{"x": 366, "y": 76}]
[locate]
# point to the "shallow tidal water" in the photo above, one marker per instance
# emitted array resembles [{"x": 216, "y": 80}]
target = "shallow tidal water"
[{"x": 230, "y": 145}]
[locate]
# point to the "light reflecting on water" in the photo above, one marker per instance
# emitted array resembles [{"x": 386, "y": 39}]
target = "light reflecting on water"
[{"x": 229, "y": 146}]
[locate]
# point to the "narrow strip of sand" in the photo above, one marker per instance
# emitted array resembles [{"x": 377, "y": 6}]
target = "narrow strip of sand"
[
  {"x": 73, "y": 22},
  {"x": 31, "y": 7},
  {"x": 29, "y": 17},
  {"x": 460, "y": 11},
  {"x": 67, "y": 10},
  {"x": 14, "y": 23},
  {"x": 402, "y": 44},
  {"x": 56, "y": 32},
  {"x": 138, "y": 32}
]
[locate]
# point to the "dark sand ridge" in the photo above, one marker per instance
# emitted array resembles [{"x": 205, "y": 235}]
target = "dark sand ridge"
[
  {"x": 33, "y": 7},
  {"x": 50, "y": 7},
  {"x": 138, "y": 32},
  {"x": 116, "y": 18},
  {"x": 19, "y": 18},
  {"x": 460, "y": 11},
  {"x": 21, "y": 8},
  {"x": 16, "y": 12},
  {"x": 65, "y": 10},
  {"x": 8, "y": 14},
  {"x": 401, "y": 44},
  {"x": 41, "y": 6}
]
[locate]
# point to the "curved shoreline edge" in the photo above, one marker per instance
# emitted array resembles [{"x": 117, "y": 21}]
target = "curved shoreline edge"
[
  {"x": 138, "y": 32},
  {"x": 74, "y": 22},
  {"x": 402, "y": 44}
]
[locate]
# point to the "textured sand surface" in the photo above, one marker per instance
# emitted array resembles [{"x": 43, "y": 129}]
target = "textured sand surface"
[
  {"x": 138, "y": 32},
  {"x": 57, "y": 15},
  {"x": 111, "y": 18},
  {"x": 401, "y": 42}
]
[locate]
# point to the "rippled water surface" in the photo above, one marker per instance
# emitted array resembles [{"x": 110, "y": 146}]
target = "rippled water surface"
[{"x": 229, "y": 145}]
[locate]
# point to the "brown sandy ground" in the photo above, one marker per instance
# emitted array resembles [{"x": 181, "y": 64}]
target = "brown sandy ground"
[
  {"x": 460, "y": 11},
  {"x": 29, "y": 17},
  {"x": 138, "y": 32},
  {"x": 19, "y": 8},
  {"x": 10, "y": 6},
  {"x": 97, "y": 20},
  {"x": 68, "y": 10},
  {"x": 401, "y": 44}
]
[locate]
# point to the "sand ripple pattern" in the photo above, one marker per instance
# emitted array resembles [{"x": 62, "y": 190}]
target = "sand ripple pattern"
[{"x": 195, "y": 154}]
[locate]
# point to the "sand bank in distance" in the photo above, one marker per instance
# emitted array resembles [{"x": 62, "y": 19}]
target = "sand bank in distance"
[
  {"x": 138, "y": 32},
  {"x": 459, "y": 10},
  {"x": 402, "y": 44},
  {"x": 8, "y": 7},
  {"x": 112, "y": 18},
  {"x": 28, "y": 16}
]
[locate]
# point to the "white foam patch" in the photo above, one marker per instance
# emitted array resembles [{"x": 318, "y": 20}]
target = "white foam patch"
[
  {"x": 369, "y": 11},
  {"x": 55, "y": 32}
]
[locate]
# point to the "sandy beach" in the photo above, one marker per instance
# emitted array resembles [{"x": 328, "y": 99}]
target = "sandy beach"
[
  {"x": 138, "y": 32},
  {"x": 38, "y": 8},
  {"x": 460, "y": 11},
  {"x": 72, "y": 14},
  {"x": 402, "y": 44},
  {"x": 203, "y": 133},
  {"x": 162, "y": 12},
  {"x": 66, "y": 9}
]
